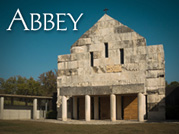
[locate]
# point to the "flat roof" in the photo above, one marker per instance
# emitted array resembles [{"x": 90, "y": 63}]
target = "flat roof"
[{"x": 25, "y": 96}]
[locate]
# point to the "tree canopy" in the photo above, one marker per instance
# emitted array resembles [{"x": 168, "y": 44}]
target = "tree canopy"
[
  {"x": 45, "y": 85},
  {"x": 48, "y": 81}
]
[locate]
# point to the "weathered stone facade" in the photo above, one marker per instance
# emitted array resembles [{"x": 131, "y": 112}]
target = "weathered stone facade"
[{"x": 112, "y": 59}]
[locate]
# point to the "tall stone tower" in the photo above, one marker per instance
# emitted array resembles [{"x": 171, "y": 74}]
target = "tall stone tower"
[{"x": 111, "y": 74}]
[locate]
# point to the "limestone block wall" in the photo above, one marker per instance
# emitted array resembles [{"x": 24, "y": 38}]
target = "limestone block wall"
[
  {"x": 75, "y": 70},
  {"x": 155, "y": 82}
]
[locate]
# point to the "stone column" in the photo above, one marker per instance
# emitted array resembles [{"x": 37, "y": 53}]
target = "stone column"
[
  {"x": 64, "y": 108},
  {"x": 119, "y": 107},
  {"x": 35, "y": 109},
  {"x": 87, "y": 108},
  {"x": 144, "y": 106},
  {"x": 96, "y": 108},
  {"x": 1, "y": 107},
  {"x": 140, "y": 107},
  {"x": 113, "y": 107},
  {"x": 74, "y": 107}
]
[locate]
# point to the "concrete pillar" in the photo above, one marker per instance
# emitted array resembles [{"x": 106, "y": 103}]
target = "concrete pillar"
[
  {"x": 87, "y": 108},
  {"x": 74, "y": 107},
  {"x": 140, "y": 107},
  {"x": 35, "y": 109},
  {"x": 119, "y": 107},
  {"x": 113, "y": 107},
  {"x": 64, "y": 108},
  {"x": 1, "y": 107},
  {"x": 96, "y": 108},
  {"x": 144, "y": 106}
]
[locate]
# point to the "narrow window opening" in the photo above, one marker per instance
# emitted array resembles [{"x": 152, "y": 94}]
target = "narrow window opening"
[
  {"x": 106, "y": 50},
  {"x": 122, "y": 55},
  {"x": 92, "y": 61},
  {"x": 162, "y": 75}
]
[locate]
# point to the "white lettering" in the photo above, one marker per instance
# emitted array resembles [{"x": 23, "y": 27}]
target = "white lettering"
[
  {"x": 20, "y": 18},
  {"x": 74, "y": 22},
  {"x": 37, "y": 21},
  {"x": 60, "y": 21},
  {"x": 49, "y": 21}
]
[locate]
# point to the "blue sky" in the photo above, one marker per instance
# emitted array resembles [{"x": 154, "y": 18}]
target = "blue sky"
[{"x": 30, "y": 53}]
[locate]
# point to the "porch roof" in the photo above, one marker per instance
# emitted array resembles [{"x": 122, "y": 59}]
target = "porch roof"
[
  {"x": 103, "y": 90},
  {"x": 25, "y": 96}
]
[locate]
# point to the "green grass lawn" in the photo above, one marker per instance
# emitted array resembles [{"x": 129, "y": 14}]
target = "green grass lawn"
[{"x": 30, "y": 127}]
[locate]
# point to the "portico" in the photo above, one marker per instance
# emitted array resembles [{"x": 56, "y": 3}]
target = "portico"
[{"x": 103, "y": 106}]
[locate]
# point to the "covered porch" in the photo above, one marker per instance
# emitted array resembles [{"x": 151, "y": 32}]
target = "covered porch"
[
  {"x": 24, "y": 106},
  {"x": 103, "y": 103}
]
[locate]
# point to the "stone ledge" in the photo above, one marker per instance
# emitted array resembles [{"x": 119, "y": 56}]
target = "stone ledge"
[{"x": 102, "y": 90}]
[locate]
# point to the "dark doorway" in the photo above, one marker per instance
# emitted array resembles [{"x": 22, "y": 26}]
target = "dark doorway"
[
  {"x": 104, "y": 107},
  {"x": 81, "y": 108}
]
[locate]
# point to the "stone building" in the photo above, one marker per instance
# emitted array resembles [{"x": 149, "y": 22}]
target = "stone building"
[{"x": 111, "y": 74}]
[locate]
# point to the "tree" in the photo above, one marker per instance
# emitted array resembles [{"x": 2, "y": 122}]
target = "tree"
[
  {"x": 33, "y": 87},
  {"x": 45, "y": 85},
  {"x": 10, "y": 85},
  {"x": 28, "y": 86},
  {"x": 22, "y": 85},
  {"x": 48, "y": 81},
  {"x": 166, "y": 83},
  {"x": 2, "y": 81},
  {"x": 173, "y": 84}
]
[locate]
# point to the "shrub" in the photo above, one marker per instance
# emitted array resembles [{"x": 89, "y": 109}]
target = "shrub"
[{"x": 51, "y": 114}]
